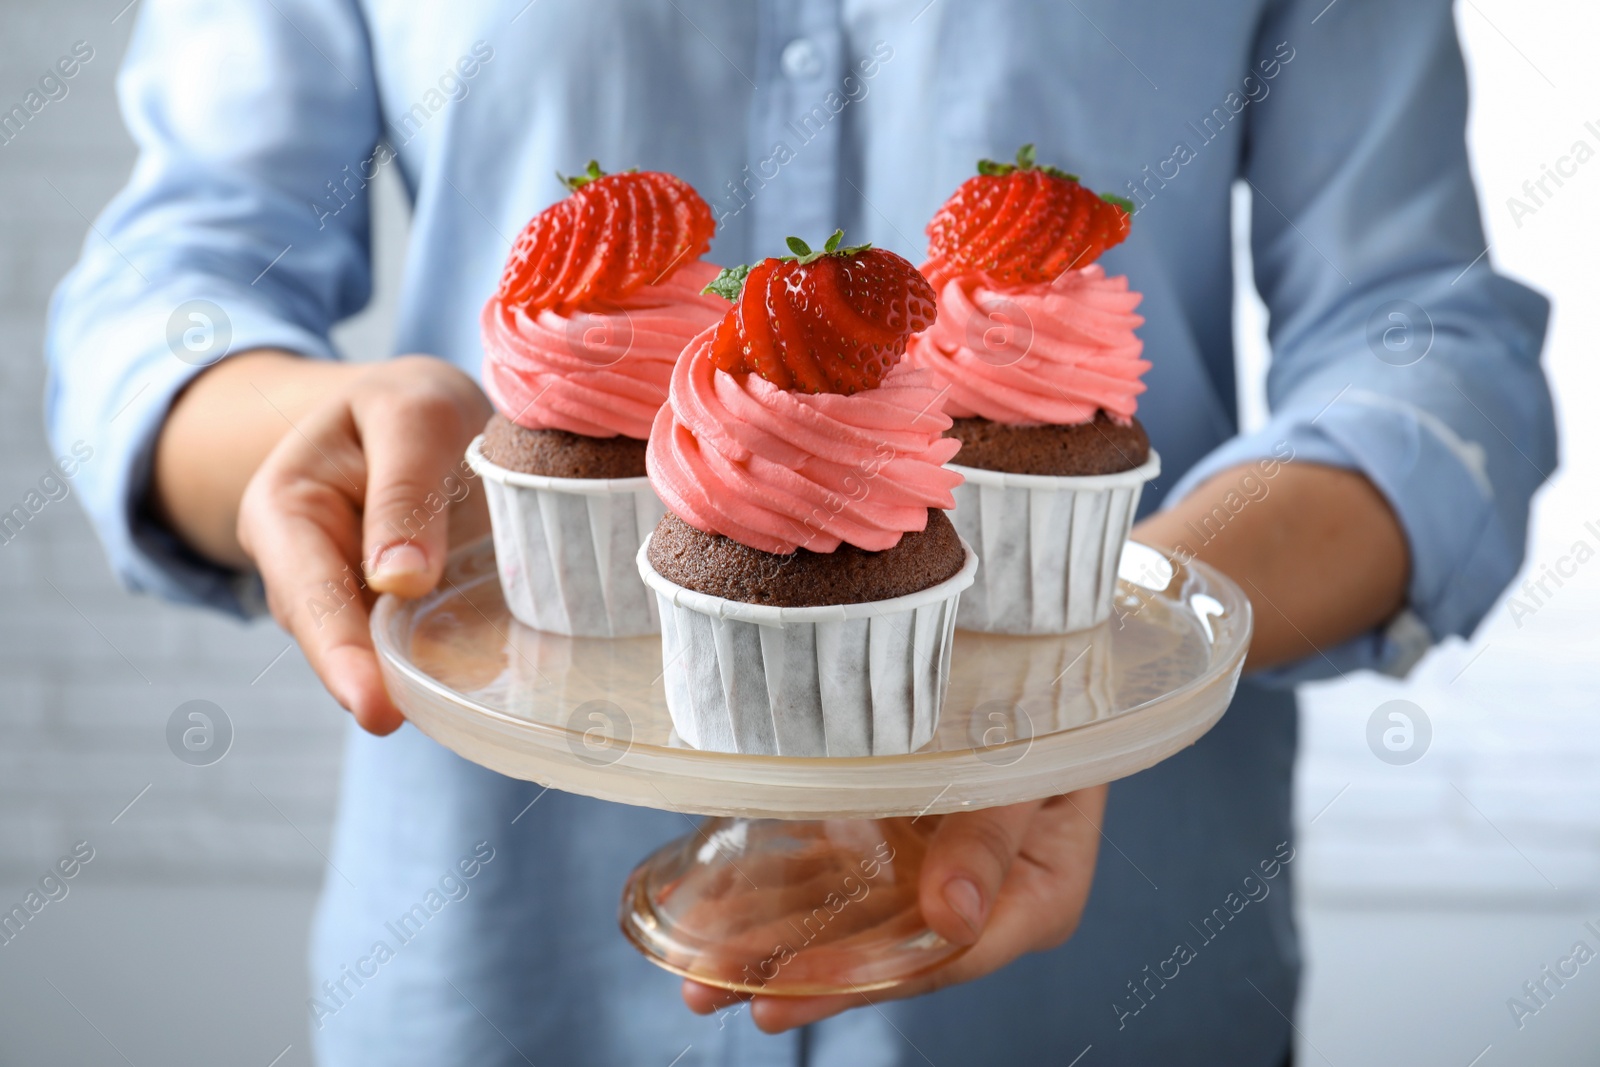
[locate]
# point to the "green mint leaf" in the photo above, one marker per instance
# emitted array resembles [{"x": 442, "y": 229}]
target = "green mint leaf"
[
  {"x": 1121, "y": 201},
  {"x": 729, "y": 283}
]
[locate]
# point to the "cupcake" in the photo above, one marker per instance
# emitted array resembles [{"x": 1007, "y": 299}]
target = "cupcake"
[
  {"x": 600, "y": 294},
  {"x": 807, "y": 575},
  {"x": 1036, "y": 352}
]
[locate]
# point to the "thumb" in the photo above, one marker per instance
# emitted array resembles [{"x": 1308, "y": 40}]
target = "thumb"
[
  {"x": 415, "y": 475},
  {"x": 966, "y": 864}
]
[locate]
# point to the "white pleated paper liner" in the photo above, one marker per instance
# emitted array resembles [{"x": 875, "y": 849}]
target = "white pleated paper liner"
[
  {"x": 565, "y": 548},
  {"x": 1049, "y": 546},
  {"x": 836, "y": 680}
]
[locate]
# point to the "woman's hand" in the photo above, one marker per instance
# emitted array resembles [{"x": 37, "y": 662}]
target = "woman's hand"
[
  {"x": 1007, "y": 881},
  {"x": 343, "y": 481}
]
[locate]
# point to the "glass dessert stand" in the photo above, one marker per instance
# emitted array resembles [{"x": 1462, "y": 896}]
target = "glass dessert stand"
[{"x": 804, "y": 880}]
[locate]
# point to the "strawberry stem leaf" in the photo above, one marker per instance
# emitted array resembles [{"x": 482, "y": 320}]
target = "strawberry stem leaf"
[
  {"x": 729, "y": 283},
  {"x": 1121, "y": 201},
  {"x": 803, "y": 253},
  {"x": 577, "y": 181},
  {"x": 1027, "y": 159}
]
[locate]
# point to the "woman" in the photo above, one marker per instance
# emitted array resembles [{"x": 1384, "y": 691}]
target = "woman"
[{"x": 1410, "y": 419}]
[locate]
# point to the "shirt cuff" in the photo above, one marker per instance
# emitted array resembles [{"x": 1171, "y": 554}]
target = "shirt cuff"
[
  {"x": 1438, "y": 486},
  {"x": 117, "y": 408}
]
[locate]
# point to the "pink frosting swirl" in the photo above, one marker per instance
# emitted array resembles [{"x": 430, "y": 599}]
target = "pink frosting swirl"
[
  {"x": 599, "y": 372},
  {"x": 1052, "y": 353},
  {"x": 779, "y": 470}
]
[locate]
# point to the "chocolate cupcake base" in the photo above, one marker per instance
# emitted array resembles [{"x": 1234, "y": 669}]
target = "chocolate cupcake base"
[
  {"x": 721, "y": 566},
  {"x": 1098, "y": 447},
  {"x": 559, "y": 454}
]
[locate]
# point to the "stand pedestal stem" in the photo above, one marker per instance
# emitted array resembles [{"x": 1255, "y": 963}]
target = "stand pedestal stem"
[{"x": 787, "y": 908}]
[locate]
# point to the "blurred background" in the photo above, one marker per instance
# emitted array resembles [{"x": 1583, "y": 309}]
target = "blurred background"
[{"x": 1435, "y": 880}]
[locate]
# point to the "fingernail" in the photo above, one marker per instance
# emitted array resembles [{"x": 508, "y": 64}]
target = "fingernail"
[
  {"x": 400, "y": 558},
  {"x": 965, "y": 900}
]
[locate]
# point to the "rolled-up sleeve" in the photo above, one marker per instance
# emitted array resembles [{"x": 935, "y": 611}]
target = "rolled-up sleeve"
[
  {"x": 1397, "y": 351},
  {"x": 243, "y": 226}
]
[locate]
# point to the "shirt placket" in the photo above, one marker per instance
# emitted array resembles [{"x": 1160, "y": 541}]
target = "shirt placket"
[{"x": 790, "y": 184}]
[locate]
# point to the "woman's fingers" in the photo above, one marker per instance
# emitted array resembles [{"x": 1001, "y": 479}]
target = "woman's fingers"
[
  {"x": 1046, "y": 851},
  {"x": 967, "y": 862},
  {"x": 357, "y": 500},
  {"x": 705, "y": 999},
  {"x": 300, "y": 521},
  {"x": 968, "y": 868},
  {"x": 1044, "y": 897},
  {"x": 414, "y": 434}
]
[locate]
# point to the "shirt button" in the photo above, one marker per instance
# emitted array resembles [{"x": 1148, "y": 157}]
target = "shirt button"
[{"x": 802, "y": 59}]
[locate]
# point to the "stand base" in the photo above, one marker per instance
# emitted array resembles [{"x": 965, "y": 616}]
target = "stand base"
[{"x": 787, "y": 908}]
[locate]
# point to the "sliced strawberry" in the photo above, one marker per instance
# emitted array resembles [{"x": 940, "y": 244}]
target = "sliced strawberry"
[
  {"x": 1021, "y": 224},
  {"x": 755, "y": 346},
  {"x": 790, "y": 325},
  {"x": 612, "y": 250},
  {"x": 659, "y": 233},
  {"x": 553, "y": 254},
  {"x": 837, "y": 293},
  {"x": 875, "y": 285},
  {"x": 838, "y": 354},
  {"x": 1008, "y": 223},
  {"x": 834, "y": 321},
  {"x": 614, "y": 235}
]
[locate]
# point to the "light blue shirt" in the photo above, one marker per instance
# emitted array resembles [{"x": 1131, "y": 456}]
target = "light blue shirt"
[{"x": 1397, "y": 351}]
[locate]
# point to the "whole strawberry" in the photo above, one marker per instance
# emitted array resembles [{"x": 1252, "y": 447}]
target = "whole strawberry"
[
  {"x": 833, "y": 321},
  {"x": 1020, "y": 223},
  {"x": 615, "y": 234}
]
